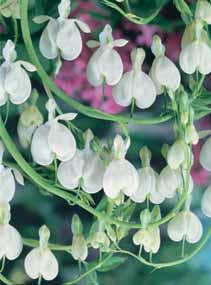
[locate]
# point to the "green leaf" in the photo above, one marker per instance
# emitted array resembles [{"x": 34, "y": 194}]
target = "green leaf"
[
  {"x": 112, "y": 263},
  {"x": 183, "y": 7}
]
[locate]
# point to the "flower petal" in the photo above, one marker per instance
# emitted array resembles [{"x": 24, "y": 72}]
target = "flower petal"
[
  {"x": 18, "y": 93},
  {"x": 3, "y": 93},
  {"x": 122, "y": 92},
  {"x": 61, "y": 141},
  {"x": 194, "y": 228},
  {"x": 70, "y": 172},
  {"x": 189, "y": 58},
  {"x": 7, "y": 182},
  {"x": 13, "y": 242},
  {"x": 69, "y": 40},
  {"x": 177, "y": 227},
  {"x": 144, "y": 90},
  {"x": 93, "y": 173},
  {"x": 47, "y": 43},
  {"x": 40, "y": 149},
  {"x": 205, "y": 155},
  {"x": 32, "y": 263},
  {"x": 49, "y": 267},
  {"x": 206, "y": 202}
]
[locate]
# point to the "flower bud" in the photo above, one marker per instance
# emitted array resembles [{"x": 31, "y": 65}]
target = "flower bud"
[
  {"x": 64, "y": 8},
  {"x": 155, "y": 214},
  {"x": 30, "y": 119},
  {"x": 203, "y": 11},
  {"x": 145, "y": 218},
  {"x": 99, "y": 240},
  {"x": 191, "y": 135},
  {"x": 176, "y": 155},
  {"x": 145, "y": 155},
  {"x": 44, "y": 235},
  {"x": 77, "y": 226}
]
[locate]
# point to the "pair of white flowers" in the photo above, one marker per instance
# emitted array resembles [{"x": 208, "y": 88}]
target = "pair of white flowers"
[
  {"x": 11, "y": 74},
  {"x": 10, "y": 239}
]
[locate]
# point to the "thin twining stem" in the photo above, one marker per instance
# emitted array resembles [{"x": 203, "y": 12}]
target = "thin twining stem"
[
  {"x": 5, "y": 280},
  {"x": 171, "y": 263},
  {"x": 85, "y": 110},
  {"x": 44, "y": 184},
  {"x": 55, "y": 247}
]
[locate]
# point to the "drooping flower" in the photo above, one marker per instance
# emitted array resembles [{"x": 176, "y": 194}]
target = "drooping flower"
[
  {"x": 148, "y": 187},
  {"x": 120, "y": 175},
  {"x": 79, "y": 247},
  {"x": 53, "y": 140},
  {"x": 206, "y": 202},
  {"x": 85, "y": 169},
  {"x": 196, "y": 55},
  {"x": 41, "y": 261},
  {"x": 11, "y": 243},
  {"x": 205, "y": 155},
  {"x": 11, "y": 75},
  {"x": 135, "y": 84},
  {"x": 100, "y": 240},
  {"x": 62, "y": 36},
  {"x": 185, "y": 225},
  {"x": 148, "y": 238},
  {"x": 163, "y": 72},
  {"x": 105, "y": 65}
]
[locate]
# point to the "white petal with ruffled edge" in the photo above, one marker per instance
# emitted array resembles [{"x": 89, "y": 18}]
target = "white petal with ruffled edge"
[
  {"x": 40, "y": 149},
  {"x": 120, "y": 176},
  {"x": 10, "y": 241},
  {"x": 206, "y": 202},
  {"x": 69, "y": 40},
  {"x": 61, "y": 141},
  {"x": 7, "y": 188},
  {"x": 47, "y": 43}
]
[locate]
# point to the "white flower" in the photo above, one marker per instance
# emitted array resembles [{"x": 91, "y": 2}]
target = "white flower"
[
  {"x": 206, "y": 202},
  {"x": 185, "y": 225},
  {"x": 147, "y": 181},
  {"x": 120, "y": 175},
  {"x": 135, "y": 84},
  {"x": 53, "y": 140},
  {"x": 205, "y": 155},
  {"x": 176, "y": 155},
  {"x": 105, "y": 65},
  {"x": 79, "y": 248},
  {"x": 62, "y": 36},
  {"x": 41, "y": 261},
  {"x": 163, "y": 72},
  {"x": 11, "y": 244},
  {"x": 100, "y": 239},
  {"x": 85, "y": 169},
  {"x": 148, "y": 238},
  {"x": 196, "y": 56},
  {"x": 30, "y": 119},
  {"x": 7, "y": 179},
  {"x": 15, "y": 84}
]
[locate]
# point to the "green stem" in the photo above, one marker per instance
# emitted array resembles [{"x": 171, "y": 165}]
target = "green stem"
[
  {"x": 5, "y": 280},
  {"x": 55, "y": 247},
  {"x": 171, "y": 263},
  {"x": 43, "y": 183},
  {"x": 88, "y": 111},
  {"x": 92, "y": 269}
]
